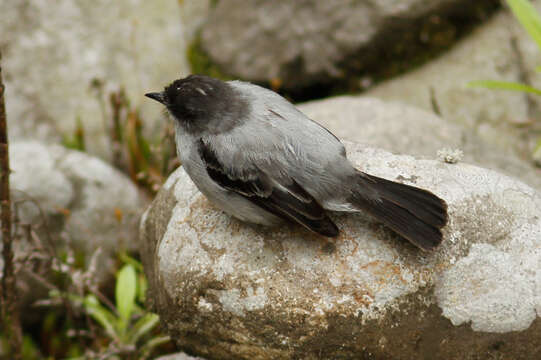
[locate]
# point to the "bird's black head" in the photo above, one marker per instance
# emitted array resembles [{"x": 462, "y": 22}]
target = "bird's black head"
[{"x": 200, "y": 102}]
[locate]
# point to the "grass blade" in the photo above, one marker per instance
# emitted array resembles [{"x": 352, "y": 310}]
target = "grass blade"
[
  {"x": 142, "y": 326},
  {"x": 528, "y": 16},
  {"x": 100, "y": 314},
  {"x": 505, "y": 85},
  {"x": 146, "y": 350}
]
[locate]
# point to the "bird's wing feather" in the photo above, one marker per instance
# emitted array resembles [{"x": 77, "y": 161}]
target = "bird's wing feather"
[
  {"x": 282, "y": 142},
  {"x": 281, "y": 196}
]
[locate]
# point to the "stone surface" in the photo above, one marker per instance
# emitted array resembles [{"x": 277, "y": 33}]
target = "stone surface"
[
  {"x": 229, "y": 290},
  {"x": 53, "y": 52},
  {"x": 498, "y": 50},
  {"x": 404, "y": 129},
  {"x": 194, "y": 14},
  {"x": 309, "y": 42},
  {"x": 178, "y": 356},
  {"x": 82, "y": 196}
]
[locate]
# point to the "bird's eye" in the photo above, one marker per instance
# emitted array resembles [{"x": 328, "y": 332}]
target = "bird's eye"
[{"x": 178, "y": 88}]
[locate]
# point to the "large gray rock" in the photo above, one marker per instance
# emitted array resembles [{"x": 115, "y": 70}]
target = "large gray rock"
[
  {"x": 194, "y": 14},
  {"x": 228, "y": 290},
  {"x": 53, "y": 52},
  {"x": 307, "y": 42},
  {"x": 498, "y": 50},
  {"x": 404, "y": 129}
]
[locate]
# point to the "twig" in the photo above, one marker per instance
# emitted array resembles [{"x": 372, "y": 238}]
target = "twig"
[
  {"x": 44, "y": 225},
  {"x": 117, "y": 102},
  {"x": 10, "y": 311}
]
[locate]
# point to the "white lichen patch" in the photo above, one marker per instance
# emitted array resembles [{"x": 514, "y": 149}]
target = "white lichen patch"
[
  {"x": 233, "y": 302},
  {"x": 171, "y": 181},
  {"x": 204, "y": 305},
  {"x": 490, "y": 288},
  {"x": 189, "y": 257}
]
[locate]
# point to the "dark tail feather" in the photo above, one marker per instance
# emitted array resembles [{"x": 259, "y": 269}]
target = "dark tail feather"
[{"x": 416, "y": 214}]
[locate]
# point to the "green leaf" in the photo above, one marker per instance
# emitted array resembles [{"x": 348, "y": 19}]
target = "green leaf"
[
  {"x": 138, "y": 310},
  {"x": 504, "y": 85},
  {"x": 538, "y": 68},
  {"x": 54, "y": 293},
  {"x": 127, "y": 259},
  {"x": 537, "y": 152},
  {"x": 142, "y": 287},
  {"x": 147, "y": 348},
  {"x": 528, "y": 17},
  {"x": 126, "y": 285},
  {"x": 76, "y": 299},
  {"x": 99, "y": 313},
  {"x": 141, "y": 327},
  {"x": 77, "y": 141}
]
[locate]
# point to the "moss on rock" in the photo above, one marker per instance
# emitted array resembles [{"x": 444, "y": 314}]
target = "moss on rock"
[{"x": 200, "y": 62}]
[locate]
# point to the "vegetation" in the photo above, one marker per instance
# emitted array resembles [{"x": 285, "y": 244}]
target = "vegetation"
[
  {"x": 146, "y": 159},
  {"x": 78, "y": 320},
  {"x": 127, "y": 325}
]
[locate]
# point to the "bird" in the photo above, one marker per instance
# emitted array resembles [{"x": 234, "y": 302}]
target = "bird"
[{"x": 260, "y": 159}]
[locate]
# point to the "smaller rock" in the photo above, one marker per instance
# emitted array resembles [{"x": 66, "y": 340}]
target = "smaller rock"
[
  {"x": 178, "y": 356},
  {"x": 497, "y": 50},
  {"x": 73, "y": 42},
  {"x": 66, "y": 195},
  {"x": 95, "y": 204}
]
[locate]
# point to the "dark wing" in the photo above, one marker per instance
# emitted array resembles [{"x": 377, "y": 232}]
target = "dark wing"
[{"x": 288, "y": 201}]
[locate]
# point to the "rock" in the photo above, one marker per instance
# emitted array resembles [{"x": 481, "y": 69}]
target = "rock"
[
  {"x": 69, "y": 198},
  {"x": 229, "y": 290},
  {"x": 178, "y": 356},
  {"x": 307, "y": 43},
  {"x": 194, "y": 14},
  {"x": 498, "y": 50},
  {"x": 54, "y": 51},
  {"x": 404, "y": 129},
  {"x": 82, "y": 198}
]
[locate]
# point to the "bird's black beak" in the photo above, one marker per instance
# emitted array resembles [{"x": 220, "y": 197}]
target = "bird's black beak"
[{"x": 156, "y": 96}]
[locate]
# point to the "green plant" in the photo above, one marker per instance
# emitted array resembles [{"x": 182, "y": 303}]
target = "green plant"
[
  {"x": 29, "y": 348},
  {"x": 77, "y": 140},
  {"x": 128, "y": 326},
  {"x": 530, "y": 20},
  {"x": 200, "y": 62},
  {"x": 85, "y": 318},
  {"x": 148, "y": 162}
]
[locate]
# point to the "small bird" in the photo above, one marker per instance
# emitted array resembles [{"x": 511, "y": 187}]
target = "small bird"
[{"x": 257, "y": 157}]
